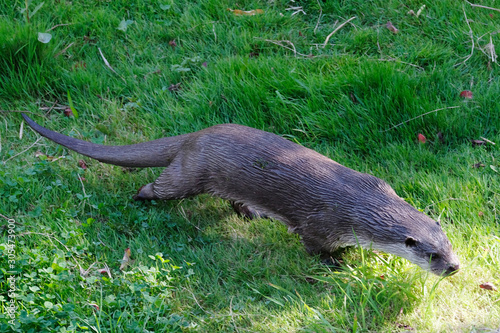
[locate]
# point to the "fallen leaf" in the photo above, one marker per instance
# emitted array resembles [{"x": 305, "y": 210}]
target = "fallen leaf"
[
  {"x": 480, "y": 214},
  {"x": 126, "y": 259},
  {"x": 478, "y": 142},
  {"x": 488, "y": 286},
  {"x": 478, "y": 165},
  {"x": 172, "y": 43},
  {"x": 491, "y": 15},
  {"x": 67, "y": 112},
  {"x": 124, "y": 25},
  {"x": 239, "y": 12},
  {"x": 95, "y": 306},
  {"x": 44, "y": 37},
  {"x": 466, "y": 94},
  {"x": 391, "y": 27},
  {"x": 82, "y": 164},
  {"x": 104, "y": 271},
  {"x": 421, "y": 138}
]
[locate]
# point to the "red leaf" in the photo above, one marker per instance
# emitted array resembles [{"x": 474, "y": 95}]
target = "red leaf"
[
  {"x": 466, "y": 94},
  {"x": 67, "y": 112},
  {"x": 488, "y": 286},
  {"x": 421, "y": 138},
  {"x": 82, "y": 164}
]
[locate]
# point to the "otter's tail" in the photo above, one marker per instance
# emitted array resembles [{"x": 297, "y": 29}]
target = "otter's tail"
[{"x": 156, "y": 153}]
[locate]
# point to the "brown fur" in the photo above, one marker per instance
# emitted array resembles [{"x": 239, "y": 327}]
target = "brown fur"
[{"x": 263, "y": 174}]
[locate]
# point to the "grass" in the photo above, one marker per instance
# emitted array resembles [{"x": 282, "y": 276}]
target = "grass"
[{"x": 196, "y": 265}]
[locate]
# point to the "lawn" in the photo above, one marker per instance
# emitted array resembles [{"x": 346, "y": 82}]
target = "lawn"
[{"x": 407, "y": 91}]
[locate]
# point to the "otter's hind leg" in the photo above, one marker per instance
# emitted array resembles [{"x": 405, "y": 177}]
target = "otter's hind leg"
[{"x": 173, "y": 183}]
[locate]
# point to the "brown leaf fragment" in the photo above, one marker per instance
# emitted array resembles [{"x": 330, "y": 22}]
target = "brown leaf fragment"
[
  {"x": 478, "y": 165},
  {"x": 175, "y": 87},
  {"x": 105, "y": 271},
  {"x": 82, "y": 164},
  {"x": 467, "y": 94},
  {"x": 126, "y": 259},
  {"x": 478, "y": 142},
  {"x": 172, "y": 43},
  {"x": 95, "y": 306},
  {"x": 252, "y": 12},
  {"x": 488, "y": 286},
  {"x": 67, "y": 112},
  {"x": 480, "y": 214},
  {"x": 391, "y": 27}
]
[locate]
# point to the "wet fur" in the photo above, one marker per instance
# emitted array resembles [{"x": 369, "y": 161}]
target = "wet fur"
[{"x": 263, "y": 174}]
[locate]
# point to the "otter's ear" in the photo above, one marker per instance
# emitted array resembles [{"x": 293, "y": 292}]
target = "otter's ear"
[{"x": 410, "y": 242}]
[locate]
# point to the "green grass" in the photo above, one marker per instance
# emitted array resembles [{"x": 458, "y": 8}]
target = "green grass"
[{"x": 196, "y": 265}]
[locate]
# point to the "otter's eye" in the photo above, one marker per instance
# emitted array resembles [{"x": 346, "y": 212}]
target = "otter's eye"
[
  {"x": 433, "y": 256},
  {"x": 410, "y": 242}
]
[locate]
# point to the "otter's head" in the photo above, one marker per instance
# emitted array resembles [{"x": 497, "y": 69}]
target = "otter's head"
[
  {"x": 404, "y": 231},
  {"x": 391, "y": 225}
]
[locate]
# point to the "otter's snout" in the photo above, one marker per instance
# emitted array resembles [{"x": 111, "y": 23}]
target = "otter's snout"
[{"x": 451, "y": 270}]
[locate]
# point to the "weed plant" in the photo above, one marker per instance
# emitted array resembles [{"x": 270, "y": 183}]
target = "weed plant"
[{"x": 140, "y": 70}]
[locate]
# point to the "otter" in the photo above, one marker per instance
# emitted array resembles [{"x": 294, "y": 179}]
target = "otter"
[{"x": 263, "y": 174}]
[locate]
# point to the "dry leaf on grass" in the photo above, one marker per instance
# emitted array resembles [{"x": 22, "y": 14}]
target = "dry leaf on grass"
[
  {"x": 126, "y": 259},
  {"x": 488, "y": 286},
  {"x": 478, "y": 142},
  {"x": 466, "y": 94},
  {"x": 252, "y": 12},
  {"x": 82, "y": 164},
  {"x": 391, "y": 27},
  {"x": 67, "y": 112}
]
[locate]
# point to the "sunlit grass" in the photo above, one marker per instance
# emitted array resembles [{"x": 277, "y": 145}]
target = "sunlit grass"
[{"x": 196, "y": 265}]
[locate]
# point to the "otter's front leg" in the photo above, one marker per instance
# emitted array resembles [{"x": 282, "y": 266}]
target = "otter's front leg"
[{"x": 145, "y": 193}]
